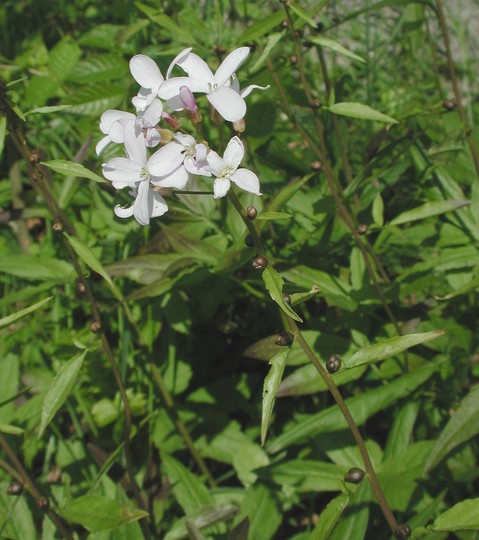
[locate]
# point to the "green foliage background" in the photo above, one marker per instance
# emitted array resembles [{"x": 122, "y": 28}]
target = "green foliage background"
[{"x": 186, "y": 315}]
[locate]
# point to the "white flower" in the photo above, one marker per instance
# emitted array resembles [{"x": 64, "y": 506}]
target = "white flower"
[
  {"x": 228, "y": 102},
  {"x": 113, "y": 124},
  {"x": 226, "y": 170},
  {"x": 148, "y": 75},
  {"x": 133, "y": 172}
]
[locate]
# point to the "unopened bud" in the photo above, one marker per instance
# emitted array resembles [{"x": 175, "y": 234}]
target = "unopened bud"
[
  {"x": 333, "y": 365},
  {"x": 95, "y": 327},
  {"x": 251, "y": 212},
  {"x": 35, "y": 156},
  {"x": 260, "y": 263},
  {"x": 172, "y": 121},
  {"x": 57, "y": 227},
  {"x": 403, "y": 531},
  {"x": 285, "y": 339},
  {"x": 43, "y": 503},
  {"x": 315, "y": 165},
  {"x": 188, "y": 100},
  {"x": 354, "y": 475},
  {"x": 15, "y": 488},
  {"x": 239, "y": 126},
  {"x": 362, "y": 229},
  {"x": 80, "y": 286},
  {"x": 316, "y": 103}
]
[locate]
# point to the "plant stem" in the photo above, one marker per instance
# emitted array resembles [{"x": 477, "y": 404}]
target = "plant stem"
[
  {"x": 19, "y": 473},
  {"x": 441, "y": 16}
]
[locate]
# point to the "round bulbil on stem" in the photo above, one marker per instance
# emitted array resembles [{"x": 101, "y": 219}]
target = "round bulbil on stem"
[
  {"x": 43, "y": 503},
  {"x": 260, "y": 263},
  {"x": 354, "y": 475},
  {"x": 362, "y": 228},
  {"x": 333, "y": 365},
  {"x": 285, "y": 339},
  {"x": 15, "y": 488},
  {"x": 251, "y": 212},
  {"x": 95, "y": 327},
  {"x": 57, "y": 227},
  {"x": 249, "y": 241},
  {"x": 403, "y": 531}
]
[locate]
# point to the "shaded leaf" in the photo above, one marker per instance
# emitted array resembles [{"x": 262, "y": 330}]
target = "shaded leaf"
[
  {"x": 270, "y": 388},
  {"x": 97, "y": 513},
  {"x": 9, "y": 319},
  {"x": 329, "y": 43},
  {"x": 60, "y": 389},
  {"x": 273, "y": 215},
  {"x": 33, "y": 268},
  {"x": 427, "y": 210},
  {"x": 261, "y": 28},
  {"x": 70, "y": 168},
  {"x": 274, "y": 283},
  {"x": 329, "y": 517}
]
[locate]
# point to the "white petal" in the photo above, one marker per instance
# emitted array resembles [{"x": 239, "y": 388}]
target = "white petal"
[
  {"x": 122, "y": 170},
  {"x": 145, "y": 71},
  {"x": 165, "y": 160},
  {"x": 152, "y": 113},
  {"x": 171, "y": 88},
  {"x": 143, "y": 201},
  {"x": 194, "y": 167},
  {"x": 110, "y": 116},
  {"x": 230, "y": 105},
  {"x": 234, "y": 153},
  {"x": 221, "y": 187},
  {"x": 230, "y": 64},
  {"x": 216, "y": 163},
  {"x": 117, "y": 130},
  {"x": 101, "y": 145},
  {"x": 143, "y": 99},
  {"x": 123, "y": 212},
  {"x": 196, "y": 68},
  {"x": 135, "y": 143},
  {"x": 177, "y": 59},
  {"x": 176, "y": 179},
  {"x": 152, "y": 137},
  {"x": 246, "y": 180},
  {"x": 247, "y": 91},
  {"x": 159, "y": 205},
  {"x": 184, "y": 139}
]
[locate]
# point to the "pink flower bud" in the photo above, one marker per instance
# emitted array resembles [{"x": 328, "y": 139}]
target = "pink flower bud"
[
  {"x": 171, "y": 120},
  {"x": 239, "y": 126},
  {"x": 188, "y": 100}
]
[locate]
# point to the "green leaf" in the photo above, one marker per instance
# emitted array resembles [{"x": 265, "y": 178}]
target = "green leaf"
[
  {"x": 179, "y": 32},
  {"x": 354, "y": 522},
  {"x": 270, "y": 388},
  {"x": 329, "y": 517},
  {"x": 97, "y": 513},
  {"x": 463, "y": 516},
  {"x": 3, "y": 132},
  {"x": 63, "y": 57},
  {"x": 389, "y": 348},
  {"x": 47, "y": 110},
  {"x": 378, "y": 210},
  {"x": 99, "y": 68},
  {"x": 11, "y": 430},
  {"x": 261, "y": 28},
  {"x": 362, "y": 407},
  {"x": 427, "y": 210},
  {"x": 9, "y": 319},
  {"x": 36, "y": 268},
  {"x": 70, "y": 168},
  {"x": 274, "y": 283},
  {"x": 261, "y": 506},
  {"x": 358, "y": 110},
  {"x": 90, "y": 259},
  {"x": 273, "y": 215},
  {"x": 60, "y": 389},
  {"x": 95, "y": 98},
  {"x": 329, "y": 43},
  {"x": 463, "y": 425},
  {"x": 295, "y": 7},
  {"x": 189, "y": 490}
]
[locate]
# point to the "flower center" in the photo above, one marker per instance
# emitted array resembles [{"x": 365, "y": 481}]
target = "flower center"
[
  {"x": 227, "y": 172},
  {"x": 144, "y": 174}
]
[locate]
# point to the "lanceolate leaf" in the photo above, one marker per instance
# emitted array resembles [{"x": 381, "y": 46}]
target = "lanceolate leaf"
[
  {"x": 389, "y": 348},
  {"x": 60, "y": 389},
  {"x": 274, "y": 283},
  {"x": 358, "y": 110},
  {"x": 270, "y": 388},
  {"x": 97, "y": 513},
  {"x": 262, "y": 27},
  {"x": 428, "y": 210},
  {"x": 463, "y": 425},
  {"x": 70, "y": 168},
  {"x": 329, "y": 517},
  {"x": 329, "y": 43},
  {"x": 362, "y": 407},
  {"x": 7, "y": 321},
  {"x": 463, "y": 516}
]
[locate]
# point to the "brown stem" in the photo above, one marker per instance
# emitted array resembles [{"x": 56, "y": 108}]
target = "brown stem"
[
  {"x": 19, "y": 473},
  {"x": 455, "y": 84}
]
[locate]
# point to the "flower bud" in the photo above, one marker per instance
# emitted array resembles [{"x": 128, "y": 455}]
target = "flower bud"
[
  {"x": 354, "y": 475},
  {"x": 172, "y": 121},
  {"x": 57, "y": 227},
  {"x": 15, "y": 488},
  {"x": 285, "y": 339},
  {"x": 333, "y": 365},
  {"x": 316, "y": 103},
  {"x": 260, "y": 263},
  {"x": 315, "y": 165},
  {"x": 188, "y": 100},
  {"x": 251, "y": 212},
  {"x": 35, "y": 157},
  {"x": 403, "y": 531},
  {"x": 80, "y": 286},
  {"x": 43, "y": 503},
  {"x": 362, "y": 229},
  {"x": 239, "y": 126},
  {"x": 95, "y": 327}
]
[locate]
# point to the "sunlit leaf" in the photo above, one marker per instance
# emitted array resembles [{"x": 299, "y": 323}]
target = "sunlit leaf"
[
  {"x": 358, "y": 110},
  {"x": 329, "y": 43},
  {"x": 274, "y": 283},
  {"x": 329, "y": 517},
  {"x": 427, "y": 210},
  {"x": 70, "y": 168}
]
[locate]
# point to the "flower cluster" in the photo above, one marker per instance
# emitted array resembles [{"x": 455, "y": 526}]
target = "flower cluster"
[{"x": 180, "y": 155}]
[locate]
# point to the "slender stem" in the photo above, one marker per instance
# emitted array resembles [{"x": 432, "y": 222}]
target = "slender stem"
[
  {"x": 179, "y": 425},
  {"x": 455, "y": 84},
  {"x": 249, "y": 224},
  {"x": 19, "y": 473},
  {"x": 328, "y": 380}
]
